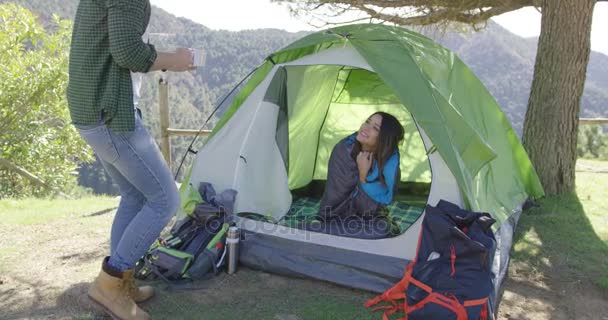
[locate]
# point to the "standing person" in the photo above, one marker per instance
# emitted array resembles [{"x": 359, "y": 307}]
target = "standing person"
[{"x": 107, "y": 47}]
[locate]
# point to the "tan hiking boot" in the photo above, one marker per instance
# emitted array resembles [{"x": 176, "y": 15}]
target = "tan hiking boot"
[
  {"x": 110, "y": 291},
  {"x": 138, "y": 294}
]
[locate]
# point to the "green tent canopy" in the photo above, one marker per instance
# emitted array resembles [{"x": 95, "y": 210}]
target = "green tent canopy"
[{"x": 279, "y": 130}]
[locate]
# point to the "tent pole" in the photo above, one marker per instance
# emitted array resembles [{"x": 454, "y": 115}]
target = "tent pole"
[{"x": 163, "y": 107}]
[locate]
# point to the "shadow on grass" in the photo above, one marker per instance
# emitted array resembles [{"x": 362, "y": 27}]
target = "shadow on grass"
[
  {"x": 101, "y": 212},
  {"x": 557, "y": 242},
  {"x": 75, "y": 302},
  {"x": 82, "y": 258},
  {"x": 251, "y": 294},
  {"x": 248, "y": 294},
  {"x": 72, "y": 303},
  {"x": 558, "y": 235}
]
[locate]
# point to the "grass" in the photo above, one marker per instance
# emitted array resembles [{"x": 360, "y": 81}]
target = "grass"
[
  {"x": 50, "y": 251},
  {"x": 23, "y": 213},
  {"x": 569, "y": 232},
  {"x": 256, "y": 295},
  {"x": 71, "y": 236},
  {"x": 37, "y": 211}
]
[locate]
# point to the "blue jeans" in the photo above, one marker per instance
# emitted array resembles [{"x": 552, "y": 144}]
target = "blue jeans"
[{"x": 149, "y": 196}]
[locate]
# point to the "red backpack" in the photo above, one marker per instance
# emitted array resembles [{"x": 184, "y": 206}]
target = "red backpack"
[{"x": 451, "y": 276}]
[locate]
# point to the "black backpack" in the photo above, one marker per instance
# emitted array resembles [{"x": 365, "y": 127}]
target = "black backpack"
[
  {"x": 194, "y": 250},
  {"x": 451, "y": 276}
]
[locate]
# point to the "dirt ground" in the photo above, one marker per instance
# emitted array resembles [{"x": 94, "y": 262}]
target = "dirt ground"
[
  {"x": 549, "y": 294},
  {"x": 49, "y": 280}
]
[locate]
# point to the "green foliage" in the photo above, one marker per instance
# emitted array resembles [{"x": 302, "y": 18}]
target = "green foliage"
[
  {"x": 592, "y": 143},
  {"x": 35, "y": 130}
]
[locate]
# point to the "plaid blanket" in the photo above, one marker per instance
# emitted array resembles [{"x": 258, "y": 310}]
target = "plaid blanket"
[{"x": 400, "y": 214}]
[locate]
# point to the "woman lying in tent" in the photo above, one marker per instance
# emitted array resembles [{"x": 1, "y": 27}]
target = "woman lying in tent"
[{"x": 362, "y": 175}]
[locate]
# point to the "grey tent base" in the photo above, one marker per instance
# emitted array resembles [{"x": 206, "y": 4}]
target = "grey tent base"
[
  {"x": 353, "y": 269},
  {"x": 296, "y": 258},
  {"x": 504, "y": 243}
]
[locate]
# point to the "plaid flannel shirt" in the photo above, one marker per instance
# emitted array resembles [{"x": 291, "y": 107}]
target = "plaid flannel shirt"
[{"x": 106, "y": 47}]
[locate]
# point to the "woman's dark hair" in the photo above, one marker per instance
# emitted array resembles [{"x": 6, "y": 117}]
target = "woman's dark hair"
[{"x": 391, "y": 133}]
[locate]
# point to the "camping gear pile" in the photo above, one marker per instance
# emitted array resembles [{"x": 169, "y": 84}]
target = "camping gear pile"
[{"x": 196, "y": 246}]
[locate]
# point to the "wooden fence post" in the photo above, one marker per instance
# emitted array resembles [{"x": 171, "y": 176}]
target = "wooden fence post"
[
  {"x": 593, "y": 121},
  {"x": 163, "y": 107}
]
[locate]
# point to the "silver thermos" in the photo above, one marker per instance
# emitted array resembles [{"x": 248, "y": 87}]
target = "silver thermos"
[{"x": 232, "y": 245}]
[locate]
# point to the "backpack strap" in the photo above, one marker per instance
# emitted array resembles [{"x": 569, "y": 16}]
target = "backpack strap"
[
  {"x": 181, "y": 284},
  {"x": 188, "y": 283},
  {"x": 484, "y": 307},
  {"x": 478, "y": 302},
  {"x": 203, "y": 235},
  {"x": 392, "y": 295},
  {"x": 397, "y": 292},
  {"x": 446, "y": 302}
]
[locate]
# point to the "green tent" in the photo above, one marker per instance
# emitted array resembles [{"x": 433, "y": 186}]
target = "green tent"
[{"x": 277, "y": 134}]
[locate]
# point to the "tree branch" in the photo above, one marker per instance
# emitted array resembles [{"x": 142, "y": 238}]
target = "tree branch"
[
  {"x": 419, "y": 12},
  {"x": 436, "y": 16},
  {"x": 26, "y": 174}
]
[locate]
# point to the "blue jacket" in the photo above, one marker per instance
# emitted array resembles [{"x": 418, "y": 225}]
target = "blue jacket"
[{"x": 373, "y": 187}]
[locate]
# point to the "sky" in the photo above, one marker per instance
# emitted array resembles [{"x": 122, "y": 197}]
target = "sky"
[{"x": 238, "y": 15}]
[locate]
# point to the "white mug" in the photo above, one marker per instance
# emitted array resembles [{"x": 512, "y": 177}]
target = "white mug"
[{"x": 198, "y": 57}]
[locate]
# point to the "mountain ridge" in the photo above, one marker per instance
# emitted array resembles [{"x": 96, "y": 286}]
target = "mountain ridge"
[{"x": 503, "y": 61}]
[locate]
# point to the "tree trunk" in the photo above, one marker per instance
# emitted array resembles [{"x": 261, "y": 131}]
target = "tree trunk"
[{"x": 551, "y": 124}]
